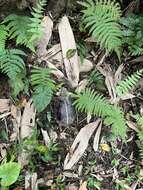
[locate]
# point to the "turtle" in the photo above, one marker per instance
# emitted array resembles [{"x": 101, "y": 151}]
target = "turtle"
[{"x": 65, "y": 110}]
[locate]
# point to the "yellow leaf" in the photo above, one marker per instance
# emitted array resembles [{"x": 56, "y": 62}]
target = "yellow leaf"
[
  {"x": 83, "y": 186},
  {"x": 105, "y": 147}
]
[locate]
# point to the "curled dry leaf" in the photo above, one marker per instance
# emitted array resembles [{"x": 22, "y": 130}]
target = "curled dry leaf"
[
  {"x": 4, "y": 105},
  {"x": 67, "y": 40},
  {"x": 41, "y": 44},
  {"x": 80, "y": 144}
]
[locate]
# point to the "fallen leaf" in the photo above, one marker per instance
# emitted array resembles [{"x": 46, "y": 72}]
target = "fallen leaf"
[
  {"x": 67, "y": 43},
  {"x": 83, "y": 186},
  {"x": 41, "y": 44},
  {"x": 26, "y": 131},
  {"x": 97, "y": 137},
  {"x": 86, "y": 66},
  {"x": 80, "y": 144},
  {"x": 105, "y": 147},
  {"x": 4, "y": 105},
  {"x": 81, "y": 86},
  {"x": 28, "y": 120},
  {"x": 31, "y": 181}
]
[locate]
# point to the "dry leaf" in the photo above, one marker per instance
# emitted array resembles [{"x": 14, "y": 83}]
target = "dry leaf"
[
  {"x": 4, "y": 105},
  {"x": 83, "y": 186},
  {"x": 45, "y": 137},
  {"x": 97, "y": 137},
  {"x": 81, "y": 86},
  {"x": 41, "y": 45},
  {"x": 68, "y": 44},
  {"x": 86, "y": 66},
  {"x": 55, "y": 71},
  {"x": 27, "y": 128},
  {"x": 71, "y": 187},
  {"x": 133, "y": 126},
  {"x": 31, "y": 181},
  {"x": 105, "y": 147},
  {"x": 28, "y": 120},
  {"x": 80, "y": 144}
]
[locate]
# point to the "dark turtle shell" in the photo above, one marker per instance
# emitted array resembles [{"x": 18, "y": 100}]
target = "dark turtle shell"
[{"x": 65, "y": 110}]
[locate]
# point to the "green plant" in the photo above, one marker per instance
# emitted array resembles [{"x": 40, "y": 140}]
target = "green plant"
[
  {"x": 12, "y": 64},
  {"x": 92, "y": 183},
  {"x": 3, "y": 37},
  {"x": 9, "y": 173},
  {"x": 102, "y": 20},
  {"x": 133, "y": 33},
  {"x": 129, "y": 83},
  {"x": 44, "y": 87},
  {"x": 18, "y": 27},
  {"x": 92, "y": 103},
  {"x": 35, "y": 26},
  {"x": 140, "y": 135},
  {"x": 26, "y": 29}
]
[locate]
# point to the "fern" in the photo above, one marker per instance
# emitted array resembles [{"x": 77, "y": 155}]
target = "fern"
[
  {"x": 18, "y": 27},
  {"x": 91, "y": 102},
  {"x": 13, "y": 66},
  {"x": 35, "y": 26},
  {"x": 44, "y": 87},
  {"x": 133, "y": 33},
  {"x": 140, "y": 135},
  {"x": 3, "y": 37},
  {"x": 102, "y": 20},
  {"x": 130, "y": 82}
]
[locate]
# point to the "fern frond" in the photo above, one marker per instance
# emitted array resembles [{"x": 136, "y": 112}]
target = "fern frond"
[
  {"x": 3, "y": 37},
  {"x": 35, "y": 26},
  {"x": 92, "y": 103},
  {"x": 96, "y": 77},
  {"x": 44, "y": 87},
  {"x": 129, "y": 83},
  {"x": 101, "y": 19},
  {"x": 41, "y": 76},
  {"x": 11, "y": 62},
  {"x": 18, "y": 27}
]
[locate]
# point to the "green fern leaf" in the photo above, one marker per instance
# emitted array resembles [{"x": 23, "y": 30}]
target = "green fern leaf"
[
  {"x": 3, "y": 37},
  {"x": 35, "y": 26},
  {"x": 92, "y": 103},
  {"x": 101, "y": 19},
  {"x": 42, "y": 96},
  {"x": 18, "y": 27},
  {"x": 129, "y": 83},
  {"x": 44, "y": 87}
]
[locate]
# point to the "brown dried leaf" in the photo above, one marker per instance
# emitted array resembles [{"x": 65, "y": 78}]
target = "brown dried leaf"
[
  {"x": 68, "y": 43},
  {"x": 97, "y": 137},
  {"x": 80, "y": 144},
  {"x": 86, "y": 66},
  {"x": 41, "y": 45}
]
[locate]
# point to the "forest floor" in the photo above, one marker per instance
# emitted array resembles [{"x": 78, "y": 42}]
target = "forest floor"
[{"x": 79, "y": 152}]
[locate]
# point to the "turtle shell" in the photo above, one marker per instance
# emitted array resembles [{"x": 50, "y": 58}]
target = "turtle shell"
[{"x": 65, "y": 111}]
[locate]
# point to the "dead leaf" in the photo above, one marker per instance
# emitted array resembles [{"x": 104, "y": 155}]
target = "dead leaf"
[
  {"x": 55, "y": 71},
  {"x": 27, "y": 129},
  {"x": 83, "y": 186},
  {"x": 105, "y": 147},
  {"x": 80, "y": 144},
  {"x": 41, "y": 45},
  {"x": 81, "y": 86},
  {"x": 133, "y": 126},
  {"x": 68, "y": 42},
  {"x": 71, "y": 187},
  {"x": 86, "y": 66},
  {"x": 97, "y": 137},
  {"x": 31, "y": 181},
  {"x": 28, "y": 120},
  {"x": 4, "y": 105},
  {"x": 45, "y": 137},
  {"x": 118, "y": 74}
]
